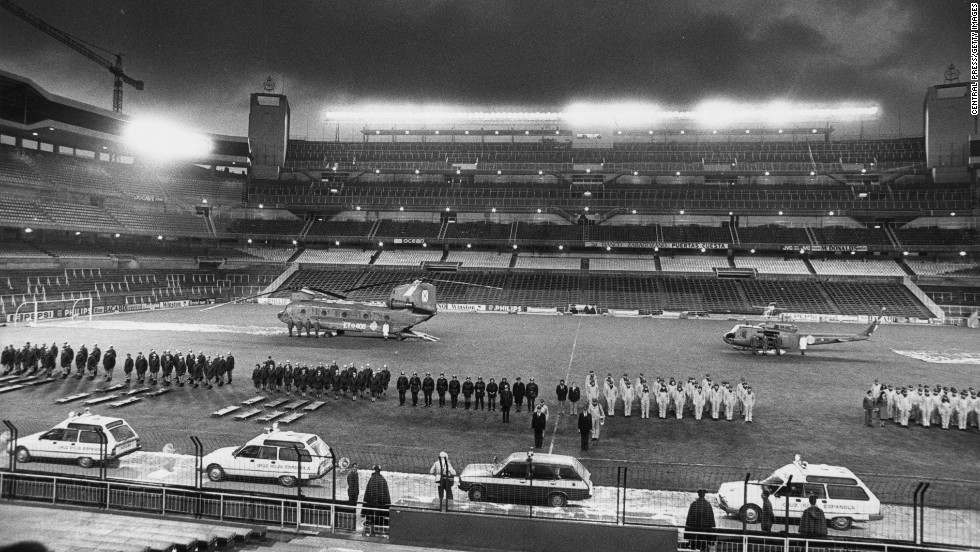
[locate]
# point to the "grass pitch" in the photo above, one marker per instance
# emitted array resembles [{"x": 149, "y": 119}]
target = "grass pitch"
[{"x": 806, "y": 405}]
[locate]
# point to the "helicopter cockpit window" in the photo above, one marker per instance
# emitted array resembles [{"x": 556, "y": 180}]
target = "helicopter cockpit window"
[
  {"x": 323, "y": 312},
  {"x": 366, "y": 316},
  {"x": 343, "y": 314},
  {"x": 387, "y": 317},
  {"x": 302, "y": 311}
]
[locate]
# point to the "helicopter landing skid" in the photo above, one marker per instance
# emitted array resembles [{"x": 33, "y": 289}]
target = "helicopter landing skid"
[{"x": 412, "y": 334}]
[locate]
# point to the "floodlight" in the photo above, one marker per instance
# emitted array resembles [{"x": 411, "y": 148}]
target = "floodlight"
[
  {"x": 496, "y": 132},
  {"x": 159, "y": 237},
  {"x": 514, "y": 246},
  {"x": 377, "y": 171},
  {"x": 746, "y": 131},
  {"x": 358, "y": 208},
  {"x": 905, "y": 253},
  {"x": 425, "y": 244},
  {"x": 493, "y": 209},
  {"x": 780, "y": 131},
  {"x": 682, "y": 211},
  {"x": 678, "y": 173},
  {"x": 780, "y": 213},
  {"x": 730, "y": 213},
  {"x": 162, "y": 140},
  {"x": 466, "y": 132},
  {"x": 468, "y": 246},
  {"x": 636, "y": 173},
  {"x": 250, "y": 240},
  {"x": 406, "y": 132},
  {"x": 540, "y": 173},
  {"x": 539, "y": 210},
  {"x": 33, "y": 134},
  {"x": 295, "y": 242},
  {"x": 863, "y": 194},
  {"x": 377, "y": 132},
  {"x": 634, "y": 211},
  {"x": 767, "y": 173},
  {"x": 831, "y": 213},
  {"x": 812, "y": 173},
  {"x": 703, "y": 250},
  {"x": 864, "y": 171},
  {"x": 556, "y": 132},
  {"x": 814, "y": 131},
  {"x": 437, "y": 132},
  {"x": 853, "y": 252},
  {"x": 447, "y": 209},
  {"x": 117, "y": 234},
  {"x": 459, "y": 171},
  {"x": 561, "y": 247},
  {"x": 656, "y": 249},
  {"x": 586, "y": 209},
  {"x": 401, "y": 208},
  {"x": 261, "y": 206},
  {"x": 380, "y": 244},
  {"x": 336, "y": 243},
  {"x": 650, "y": 132},
  {"x": 752, "y": 250},
  {"x": 204, "y": 201},
  {"x": 952, "y": 214},
  {"x": 527, "y": 132},
  {"x": 608, "y": 248},
  {"x": 416, "y": 171},
  {"x": 962, "y": 253},
  {"x": 682, "y": 132},
  {"x": 77, "y": 233},
  {"x": 499, "y": 172}
]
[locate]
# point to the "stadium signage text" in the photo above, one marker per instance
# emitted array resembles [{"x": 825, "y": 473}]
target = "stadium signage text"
[
  {"x": 662, "y": 245},
  {"x": 25, "y": 316},
  {"x": 409, "y": 240},
  {"x": 825, "y": 248},
  {"x": 106, "y": 309},
  {"x": 147, "y": 198}
]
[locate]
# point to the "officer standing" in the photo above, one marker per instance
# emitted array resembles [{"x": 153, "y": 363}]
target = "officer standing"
[
  {"x": 561, "y": 391},
  {"x": 81, "y": 357},
  {"x": 414, "y": 386},
  {"x": 538, "y": 422},
  {"x": 574, "y": 394},
  {"x": 128, "y": 366},
  {"x": 109, "y": 363},
  {"x": 492, "y": 390},
  {"x": 467, "y": 392},
  {"x": 531, "y": 394},
  {"x": 506, "y": 401},
  {"x": 141, "y": 366},
  {"x": 402, "y": 386},
  {"x": 256, "y": 376},
  {"x": 154, "y": 365},
  {"x": 584, "y": 426},
  {"x": 479, "y": 391},
  {"x": 67, "y": 355},
  {"x": 454, "y": 388},
  {"x": 167, "y": 366},
  {"x": 598, "y": 417},
  {"x": 442, "y": 385},
  {"x": 428, "y": 386},
  {"x": 229, "y": 365},
  {"x": 519, "y": 389}
]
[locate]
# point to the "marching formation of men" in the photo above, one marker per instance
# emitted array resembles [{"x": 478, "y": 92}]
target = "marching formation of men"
[
  {"x": 319, "y": 380},
  {"x": 940, "y": 405},
  {"x": 672, "y": 397},
  {"x": 169, "y": 368}
]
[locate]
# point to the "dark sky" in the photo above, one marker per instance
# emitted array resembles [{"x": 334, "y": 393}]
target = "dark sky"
[{"x": 201, "y": 58}]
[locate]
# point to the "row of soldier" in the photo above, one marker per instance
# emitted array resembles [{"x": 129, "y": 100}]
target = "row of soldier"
[
  {"x": 319, "y": 380},
  {"x": 477, "y": 394},
  {"x": 940, "y": 405},
  {"x": 169, "y": 367},
  {"x": 673, "y": 396}
]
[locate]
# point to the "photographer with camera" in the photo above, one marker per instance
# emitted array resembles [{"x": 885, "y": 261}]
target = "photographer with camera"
[{"x": 444, "y": 475}]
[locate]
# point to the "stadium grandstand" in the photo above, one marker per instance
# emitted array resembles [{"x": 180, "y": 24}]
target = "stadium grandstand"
[{"x": 673, "y": 218}]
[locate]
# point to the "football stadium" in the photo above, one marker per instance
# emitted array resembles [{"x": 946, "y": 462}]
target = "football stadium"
[{"x": 383, "y": 315}]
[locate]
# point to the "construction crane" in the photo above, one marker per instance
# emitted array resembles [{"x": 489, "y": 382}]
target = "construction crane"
[{"x": 115, "y": 68}]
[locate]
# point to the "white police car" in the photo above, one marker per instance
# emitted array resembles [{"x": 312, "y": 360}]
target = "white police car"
[
  {"x": 273, "y": 454},
  {"x": 84, "y": 438},
  {"x": 525, "y": 478},
  {"x": 842, "y": 496}
]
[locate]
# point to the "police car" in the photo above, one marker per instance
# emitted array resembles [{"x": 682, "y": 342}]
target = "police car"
[
  {"x": 273, "y": 454},
  {"x": 842, "y": 496},
  {"x": 524, "y": 478},
  {"x": 85, "y": 439}
]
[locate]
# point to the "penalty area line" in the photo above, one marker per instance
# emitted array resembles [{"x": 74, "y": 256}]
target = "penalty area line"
[{"x": 571, "y": 359}]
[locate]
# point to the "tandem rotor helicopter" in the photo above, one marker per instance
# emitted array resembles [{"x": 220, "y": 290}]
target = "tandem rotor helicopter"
[
  {"x": 409, "y": 304},
  {"x": 770, "y": 337}
]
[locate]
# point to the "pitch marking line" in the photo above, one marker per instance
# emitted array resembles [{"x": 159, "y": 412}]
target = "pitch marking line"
[{"x": 571, "y": 358}]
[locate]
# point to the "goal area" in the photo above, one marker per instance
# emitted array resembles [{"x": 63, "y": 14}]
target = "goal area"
[{"x": 40, "y": 310}]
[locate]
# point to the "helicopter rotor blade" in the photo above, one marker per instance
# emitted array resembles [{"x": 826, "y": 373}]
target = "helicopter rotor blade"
[
  {"x": 325, "y": 292},
  {"x": 464, "y": 283},
  {"x": 368, "y": 286},
  {"x": 239, "y": 300}
]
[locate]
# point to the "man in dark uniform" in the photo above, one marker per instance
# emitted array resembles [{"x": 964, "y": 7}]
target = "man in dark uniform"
[
  {"x": 109, "y": 362},
  {"x": 222, "y": 368},
  {"x": 51, "y": 360},
  {"x": 257, "y": 377},
  {"x": 27, "y": 358},
  {"x": 180, "y": 368},
  {"x": 167, "y": 366},
  {"x": 506, "y": 400},
  {"x": 300, "y": 376},
  {"x": 93, "y": 361},
  {"x": 402, "y": 386},
  {"x": 128, "y": 367},
  {"x": 141, "y": 366},
  {"x": 385, "y": 379},
  {"x": 6, "y": 359},
  {"x": 574, "y": 394},
  {"x": 700, "y": 520},
  {"x": 454, "y": 389},
  {"x": 492, "y": 390},
  {"x": 531, "y": 394},
  {"x": 442, "y": 385},
  {"x": 467, "y": 392},
  {"x": 67, "y": 355},
  {"x": 319, "y": 380},
  {"x": 561, "y": 391},
  {"x": 189, "y": 361},
  {"x": 584, "y": 426},
  {"x": 538, "y": 422},
  {"x": 154, "y": 364},
  {"x": 81, "y": 357},
  {"x": 479, "y": 391},
  {"x": 428, "y": 386},
  {"x": 229, "y": 365},
  {"x": 200, "y": 365},
  {"x": 519, "y": 389},
  {"x": 813, "y": 523},
  {"x": 377, "y": 386},
  {"x": 414, "y": 386},
  {"x": 767, "y": 517},
  {"x": 288, "y": 377},
  {"x": 345, "y": 380},
  {"x": 280, "y": 372}
]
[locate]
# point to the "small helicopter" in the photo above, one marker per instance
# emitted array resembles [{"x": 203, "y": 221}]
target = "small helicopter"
[
  {"x": 779, "y": 337},
  {"x": 407, "y": 305}
]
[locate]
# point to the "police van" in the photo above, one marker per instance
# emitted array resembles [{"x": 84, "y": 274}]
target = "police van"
[
  {"x": 285, "y": 456},
  {"x": 526, "y": 478},
  {"x": 85, "y": 439},
  {"x": 842, "y": 496}
]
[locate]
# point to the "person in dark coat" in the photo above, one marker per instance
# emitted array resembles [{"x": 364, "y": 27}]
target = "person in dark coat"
[
  {"x": 506, "y": 401},
  {"x": 414, "y": 386},
  {"x": 166, "y": 366},
  {"x": 519, "y": 389},
  {"x": 531, "y": 394},
  {"x": 229, "y": 365},
  {"x": 442, "y": 385},
  {"x": 67, "y": 355},
  {"x": 128, "y": 367},
  {"x": 767, "y": 516},
  {"x": 467, "y": 392},
  {"x": 402, "y": 386},
  {"x": 538, "y": 422},
  {"x": 561, "y": 392},
  {"x": 377, "y": 501},
  {"x": 353, "y": 484},
  {"x": 80, "y": 358},
  {"x": 585, "y": 426},
  {"x": 869, "y": 408},
  {"x": 109, "y": 362},
  {"x": 454, "y": 389},
  {"x": 479, "y": 391},
  {"x": 257, "y": 377},
  {"x": 700, "y": 519},
  {"x": 141, "y": 366},
  {"x": 574, "y": 394},
  {"x": 180, "y": 368},
  {"x": 154, "y": 364},
  {"x": 492, "y": 390},
  {"x": 813, "y": 523},
  {"x": 428, "y": 386}
]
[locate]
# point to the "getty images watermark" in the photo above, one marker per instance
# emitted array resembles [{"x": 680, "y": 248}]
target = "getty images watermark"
[{"x": 974, "y": 58}]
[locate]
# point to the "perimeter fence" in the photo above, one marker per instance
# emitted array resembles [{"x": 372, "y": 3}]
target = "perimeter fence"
[{"x": 277, "y": 482}]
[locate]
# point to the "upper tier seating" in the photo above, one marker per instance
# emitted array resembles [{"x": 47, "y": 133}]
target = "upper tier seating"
[
  {"x": 276, "y": 254},
  {"x": 769, "y": 265},
  {"x": 551, "y": 232},
  {"x": 336, "y": 256},
  {"x": 478, "y": 231},
  {"x": 407, "y": 258},
  {"x": 82, "y": 217},
  {"x": 479, "y": 259},
  {"x": 622, "y": 264},
  {"x": 916, "y": 237},
  {"x": 682, "y": 263},
  {"x": 166, "y": 223},
  {"x": 548, "y": 262},
  {"x": 340, "y": 229},
  {"x": 943, "y": 268},
  {"x": 855, "y": 236},
  {"x": 804, "y": 297},
  {"x": 864, "y": 267},
  {"x": 397, "y": 229},
  {"x": 864, "y": 298},
  {"x": 21, "y": 250},
  {"x": 625, "y": 233},
  {"x": 21, "y": 213},
  {"x": 772, "y": 234},
  {"x": 696, "y": 234},
  {"x": 255, "y": 227}
]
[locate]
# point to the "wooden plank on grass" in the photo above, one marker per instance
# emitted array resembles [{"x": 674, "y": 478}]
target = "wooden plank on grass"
[
  {"x": 71, "y": 398},
  {"x": 111, "y": 388},
  {"x": 138, "y": 391},
  {"x": 125, "y": 402},
  {"x": 159, "y": 392},
  {"x": 225, "y": 410},
  {"x": 248, "y": 413},
  {"x": 9, "y": 388},
  {"x": 314, "y": 405},
  {"x": 103, "y": 399},
  {"x": 276, "y": 403},
  {"x": 253, "y": 400},
  {"x": 269, "y": 416},
  {"x": 291, "y": 418},
  {"x": 295, "y": 405}
]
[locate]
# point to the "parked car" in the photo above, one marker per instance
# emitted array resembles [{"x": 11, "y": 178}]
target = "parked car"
[
  {"x": 273, "y": 454},
  {"x": 842, "y": 496},
  {"x": 84, "y": 438},
  {"x": 527, "y": 478}
]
